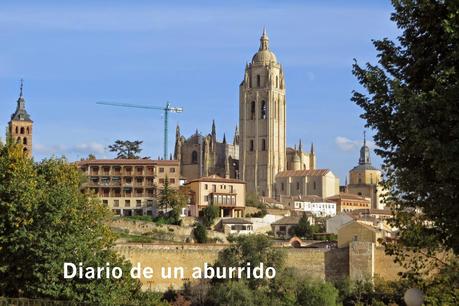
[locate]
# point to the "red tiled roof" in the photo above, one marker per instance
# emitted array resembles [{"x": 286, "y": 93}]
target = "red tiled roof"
[
  {"x": 216, "y": 179},
  {"x": 315, "y": 172},
  {"x": 97, "y": 162},
  {"x": 347, "y": 196}
]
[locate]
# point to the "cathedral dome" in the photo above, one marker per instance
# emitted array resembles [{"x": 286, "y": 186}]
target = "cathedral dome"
[{"x": 264, "y": 55}]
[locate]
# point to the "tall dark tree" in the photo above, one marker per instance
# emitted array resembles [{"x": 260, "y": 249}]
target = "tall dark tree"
[
  {"x": 412, "y": 102},
  {"x": 126, "y": 149}
]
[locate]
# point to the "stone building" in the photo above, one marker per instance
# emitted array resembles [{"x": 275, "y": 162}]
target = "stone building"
[
  {"x": 20, "y": 125},
  {"x": 129, "y": 186},
  {"x": 262, "y": 121},
  {"x": 319, "y": 182},
  {"x": 346, "y": 202},
  {"x": 364, "y": 179},
  {"x": 297, "y": 159},
  {"x": 201, "y": 155},
  {"x": 227, "y": 194}
]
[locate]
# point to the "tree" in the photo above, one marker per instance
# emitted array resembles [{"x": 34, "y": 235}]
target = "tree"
[
  {"x": 45, "y": 222},
  {"x": 311, "y": 293},
  {"x": 200, "y": 233},
  {"x": 412, "y": 101},
  {"x": 255, "y": 249},
  {"x": 126, "y": 149},
  {"x": 171, "y": 201},
  {"x": 209, "y": 214},
  {"x": 303, "y": 229}
]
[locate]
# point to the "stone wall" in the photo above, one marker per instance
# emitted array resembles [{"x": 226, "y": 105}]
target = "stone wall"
[{"x": 326, "y": 264}]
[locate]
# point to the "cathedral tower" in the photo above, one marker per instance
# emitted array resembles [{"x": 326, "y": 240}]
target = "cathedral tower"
[
  {"x": 20, "y": 125},
  {"x": 262, "y": 121}
]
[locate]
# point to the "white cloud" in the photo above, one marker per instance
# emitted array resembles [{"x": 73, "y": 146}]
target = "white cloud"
[
  {"x": 347, "y": 144},
  {"x": 84, "y": 148}
]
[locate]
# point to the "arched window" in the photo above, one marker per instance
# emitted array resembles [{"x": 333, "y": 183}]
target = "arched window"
[
  {"x": 22, "y": 130},
  {"x": 252, "y": 110},
  {"x": 24, "y": 141},
  {"x": 258, "y": 80},
  {"x": 263, "y": 144},
  {"x": 251, "y": 145},
  {"x": 263, "y": 110},
  {"x": 28, "y": 130},
  {"x": 314, "y": 185},
  {"x": 17, "y": 130},
  {"x": 194, "y": 157},
  {"x": 25, "y": 150},
  {"x": 18, "y": 140}
]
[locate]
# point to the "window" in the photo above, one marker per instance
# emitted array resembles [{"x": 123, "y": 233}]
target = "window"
[
  {"x": 263, "y": 110},
  {"x": 314, "y": 185},
  {"x": 127, "y": 203},
  {"x": 282, "y": 186},
  {"x": 172, "y": 170},
  {"x": 251, "y": 145},
  {"x": 297, "y": 185},
  {"x": 161, "y": 170},
  {"x": 258, "y": 80},
  {"x": 116, "y": 203},
  {"x": 214, "y": 188},
  {"x": 149, "y": 203},
  {"x": 206, "y": 186},
  {"x": 138, "y": 203},
  {"x": 172, "y": 181},
  {"x": 231, "y": 188},
  {"x": 105, "y": 202},
  {"x": 22, "y": 130},
  {"x": 24, "y": 141},
  {"x": 161, "y": 181},
  {"x": 17, "y": 130},
  {"x": 252, "y": 110},
  {"x": 263, "y": 144},
  {"x": 28, "y": 131},
  {"x": 194, "y": 157},
  {"x": 206, "y": 198}
]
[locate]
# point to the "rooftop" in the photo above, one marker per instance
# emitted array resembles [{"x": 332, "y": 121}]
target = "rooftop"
[
  {"x": 347, "y": 196},
  {"x": 235, "y": 221},
  {"x": 99, "y": 162},
  {"x": 216, "y": 179},
  {"x": 315, "y": 172}
]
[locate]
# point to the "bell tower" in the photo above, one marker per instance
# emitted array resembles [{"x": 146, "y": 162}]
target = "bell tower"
[
  {"x": 20, "y": 125},
  {"x": 262, "y": 121}
]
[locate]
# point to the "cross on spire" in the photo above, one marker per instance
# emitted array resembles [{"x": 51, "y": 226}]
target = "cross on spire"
[{"x": 22, "y": 85}]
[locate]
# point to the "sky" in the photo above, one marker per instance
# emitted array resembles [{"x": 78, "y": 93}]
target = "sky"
[{"x": 192, "y": 53}]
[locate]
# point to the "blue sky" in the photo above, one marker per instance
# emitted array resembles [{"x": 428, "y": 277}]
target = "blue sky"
[{"x": 192, "y": 53}]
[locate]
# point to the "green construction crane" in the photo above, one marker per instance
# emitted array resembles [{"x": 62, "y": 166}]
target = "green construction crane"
[{"x": 168, "y": 109}]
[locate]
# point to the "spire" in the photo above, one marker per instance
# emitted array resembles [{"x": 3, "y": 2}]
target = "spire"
[
  {"x": 300, "y": 146},
  {"x": 177, "y": 131},
  {"x": 224, "y": 138},
  {"x": 312, "y": 148},
  {"x": 214, "y": 131},
  {"x": 21, "y": 113},
  {"x": 22, "y": 85},
  {"x": 264, "y": 41},
  {"x": 364, "y": 151},
  {"x": 236, "y": 136}
]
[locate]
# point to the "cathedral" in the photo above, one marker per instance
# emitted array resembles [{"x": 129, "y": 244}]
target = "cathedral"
[
  {"x": 20, "y": 125},
  {"x": 204, "y": 155},
  {"x": 258, "y": 151}
]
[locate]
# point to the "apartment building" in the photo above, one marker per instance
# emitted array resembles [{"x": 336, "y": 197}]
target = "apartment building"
[
  {"x": 227, "y": 194},
  {"x": 129, "y": 186}
]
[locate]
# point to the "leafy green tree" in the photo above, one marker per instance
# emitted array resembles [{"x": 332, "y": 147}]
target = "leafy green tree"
[
  {"x": 312, "y": 293},
  {"x": 253, "y": 249},
  {"x": 171, "y": 201},
  {"x": 210, "y": 213},
  {"x": 200, "y": 233},
  {"x": 45, "y": 222},
  {"x": 126, "y": 149},
  {"x": 412, "y": 101},
  {"x": 303, "y": 229}
]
